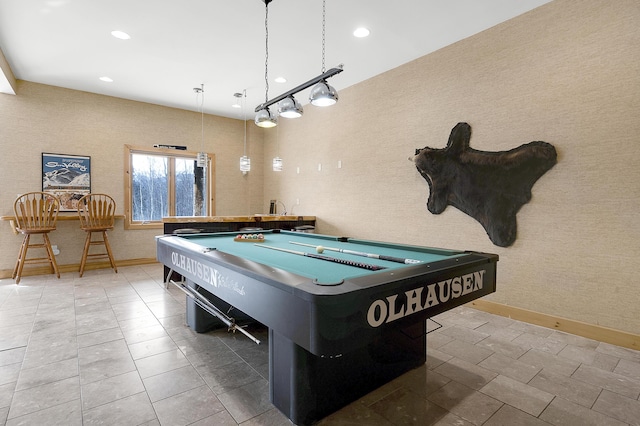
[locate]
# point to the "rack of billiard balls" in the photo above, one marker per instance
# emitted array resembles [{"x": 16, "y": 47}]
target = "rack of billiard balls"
[{"x": 249, "y": 238}]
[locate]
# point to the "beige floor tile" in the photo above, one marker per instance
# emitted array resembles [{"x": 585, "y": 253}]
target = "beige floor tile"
[
  {"x": 111, "y": 389},
  {"x": 619, "y": 407},
  {"x": 132, "y": 410},
  {"x": 519, "y": 395},
  {"x": 565, "y": 413},
  {"x": 188, "y": 407},
  {"x": 172, "y": 382},
  {"x": 465, "y": 402},
  {"x": 565, "y": 387}
]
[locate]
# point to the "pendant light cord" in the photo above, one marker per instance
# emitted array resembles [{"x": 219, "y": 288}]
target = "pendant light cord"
[
  {"x": 200, "y": 91},
  {"x": 244, "y": 119},
  {"x": 324, "y": 13},
  {"x": 266, "y": 50},
  {"x": 202, "y": 119}
]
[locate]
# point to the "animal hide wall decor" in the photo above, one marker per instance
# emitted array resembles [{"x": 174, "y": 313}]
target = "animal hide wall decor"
[{"x": 488, "y": 186}]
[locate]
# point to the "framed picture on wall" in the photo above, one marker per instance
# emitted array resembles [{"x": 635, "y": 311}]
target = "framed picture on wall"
[{"x": 66, "y": 176}]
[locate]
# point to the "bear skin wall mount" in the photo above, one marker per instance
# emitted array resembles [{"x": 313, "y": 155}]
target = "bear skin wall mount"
[{"x": 491, "y": 187}]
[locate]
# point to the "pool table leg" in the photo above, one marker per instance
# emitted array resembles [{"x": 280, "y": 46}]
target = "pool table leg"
[
  {"x": 201, "y": 321},
  {"x": 306, "y": 387}
]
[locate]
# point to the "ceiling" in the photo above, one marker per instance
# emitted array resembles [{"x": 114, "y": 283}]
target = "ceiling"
[{"x": 176, "y": 46}]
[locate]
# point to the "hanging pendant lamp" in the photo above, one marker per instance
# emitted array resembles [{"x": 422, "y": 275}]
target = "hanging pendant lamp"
[
  {"x": 201, "y": 158},
  {"x": 322, "y": 94},
  {"x": 264, "y": 117},
  {"x": 277, "y": 161},
  {"x": 289, "y": 107},
  {"x": 245, "y": 161},
  {"x": 277, "y": 164}
]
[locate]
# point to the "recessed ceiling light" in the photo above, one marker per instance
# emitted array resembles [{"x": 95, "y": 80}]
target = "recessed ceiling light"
[
  {"x": 361, "y": 32},
  {"x": 280, "y": 80},
  {"x": 106, "y": 79},
  {"x": 120, "y": 34}
]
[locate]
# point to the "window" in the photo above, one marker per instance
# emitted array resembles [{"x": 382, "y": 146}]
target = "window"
[{"x": 165, "y": 182}]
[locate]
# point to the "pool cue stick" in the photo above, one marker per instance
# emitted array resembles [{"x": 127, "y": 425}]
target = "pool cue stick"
[
  {"x": 361, "y": 253},
  {"x": 327, "y": 258}
]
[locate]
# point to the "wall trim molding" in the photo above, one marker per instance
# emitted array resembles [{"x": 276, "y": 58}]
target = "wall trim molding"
[
  {"x": 590, "y": 331},
  {"x": 75, "y": 267}
]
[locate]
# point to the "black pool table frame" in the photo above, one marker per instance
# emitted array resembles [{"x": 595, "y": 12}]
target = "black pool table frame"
[{"x": 323, "y": 352}]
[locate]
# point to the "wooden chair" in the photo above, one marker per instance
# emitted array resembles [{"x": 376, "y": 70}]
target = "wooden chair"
[
  {"x": 36, "y": 213},
  {"x": 97, "y": 214}
]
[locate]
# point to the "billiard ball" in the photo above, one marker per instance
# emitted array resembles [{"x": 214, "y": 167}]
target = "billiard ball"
[{"x": 319, "y": 249}]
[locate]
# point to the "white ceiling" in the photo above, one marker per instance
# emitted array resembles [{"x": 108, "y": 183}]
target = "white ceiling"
[{"x": 176, "y": 46}]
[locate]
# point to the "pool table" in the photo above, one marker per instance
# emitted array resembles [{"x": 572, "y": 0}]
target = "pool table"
[{"x": 339, "y": 326}]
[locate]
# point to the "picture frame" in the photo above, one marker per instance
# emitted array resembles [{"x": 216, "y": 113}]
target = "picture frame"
[{"x": 66, "y": 176}]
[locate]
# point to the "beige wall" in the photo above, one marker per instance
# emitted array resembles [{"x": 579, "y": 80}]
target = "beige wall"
[
  {"x": 51, "y": 119},
  {"x": 567, "y": 73}
]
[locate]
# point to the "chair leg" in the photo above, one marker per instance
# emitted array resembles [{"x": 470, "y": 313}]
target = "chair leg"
[
  {"x": 17, "y": 271},
  {"x": 85, "y": 253},
  {"x": 50, "y": 255},
  {"x": 106, "y": 243}
]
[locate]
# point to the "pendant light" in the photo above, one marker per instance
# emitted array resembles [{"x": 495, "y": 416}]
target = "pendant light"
[
  {"x": 245, "y": 161},
  {"x": 238, "y": 102},
  {"x": 201, "y": 158},
  {"x": 264, "y": 117},
  {"x": 277, "y": 161},
  {"x": 289, "y": 107},
  {"x": 322, "y": 94},
  {"x": 277, "y": 164},
  {"x": 245, "y": 164}
]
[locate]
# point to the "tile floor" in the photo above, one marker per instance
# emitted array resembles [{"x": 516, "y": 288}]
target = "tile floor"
[{"x": 113, "y": 349}]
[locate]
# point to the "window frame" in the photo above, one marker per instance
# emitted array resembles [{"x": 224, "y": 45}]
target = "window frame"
[{"x": 171, "y": 154}]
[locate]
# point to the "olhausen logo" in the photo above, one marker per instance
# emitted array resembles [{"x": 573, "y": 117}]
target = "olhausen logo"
[
  {"x": 410, "y": 302},
  {"x": 204, "y": 273}
]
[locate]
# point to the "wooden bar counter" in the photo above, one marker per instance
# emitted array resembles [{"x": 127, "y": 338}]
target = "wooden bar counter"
[
  {"x": 63, "y": 216},
  {"x": 235, "y": 223}
]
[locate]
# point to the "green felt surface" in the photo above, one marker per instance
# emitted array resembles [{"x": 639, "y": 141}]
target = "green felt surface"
[{"x": 321, "y": 270}]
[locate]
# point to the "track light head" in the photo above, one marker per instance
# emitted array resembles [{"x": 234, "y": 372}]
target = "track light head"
[
  {"x": 322, "y": 94},
  {"x": 289, "y": 107},
  {"x": 264, "y": 118}
]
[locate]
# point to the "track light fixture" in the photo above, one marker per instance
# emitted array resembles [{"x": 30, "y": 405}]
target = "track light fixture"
[
  {"x": 322, "y": 77},
  {"x": 321, "y": 95}
]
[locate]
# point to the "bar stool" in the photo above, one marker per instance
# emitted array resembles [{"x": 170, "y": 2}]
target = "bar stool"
[
  {"x": 36, "y": 213},
  {"x": 97, "y": 214}
]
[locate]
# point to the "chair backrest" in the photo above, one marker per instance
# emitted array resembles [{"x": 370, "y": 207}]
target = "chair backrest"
[
  {"x": 36, "y": 211},
  {"x": 96, "y": 211}
]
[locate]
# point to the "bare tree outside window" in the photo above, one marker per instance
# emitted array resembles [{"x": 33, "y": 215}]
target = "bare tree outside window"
[
  {"x": 149, "y": 184},
  {"x": 188, "y": 199},
  {"x": 164, "y": 183}
]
